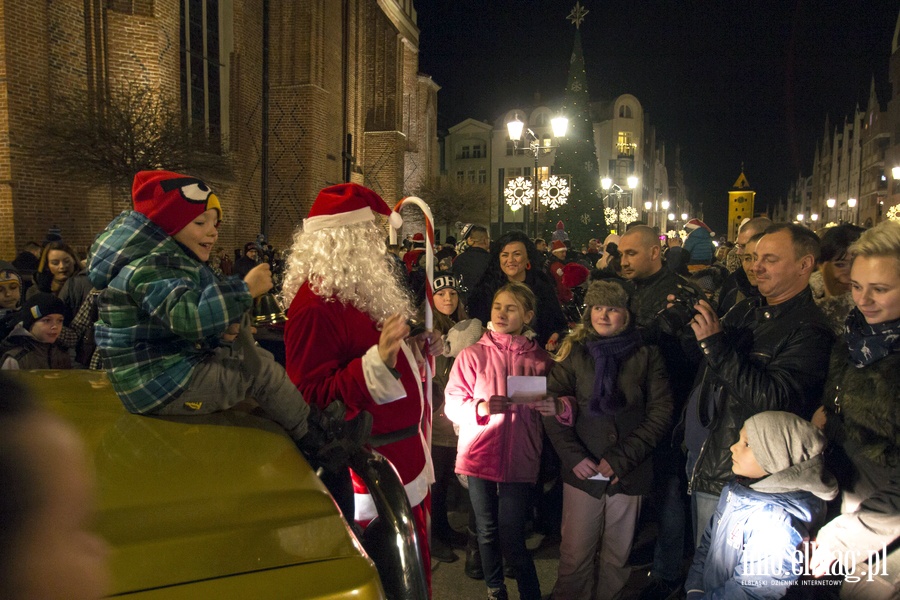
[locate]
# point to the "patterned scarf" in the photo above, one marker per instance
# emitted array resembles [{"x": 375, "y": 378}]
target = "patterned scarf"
[
  {"x": 608, "y": 354},
  {"x": 870, "y": 343}
]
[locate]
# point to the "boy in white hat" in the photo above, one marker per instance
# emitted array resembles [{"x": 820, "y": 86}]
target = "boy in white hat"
[{"x": 755, "y": 539}]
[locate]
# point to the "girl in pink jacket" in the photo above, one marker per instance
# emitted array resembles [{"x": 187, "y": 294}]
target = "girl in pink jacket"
[{"x": 499, "y": 440}]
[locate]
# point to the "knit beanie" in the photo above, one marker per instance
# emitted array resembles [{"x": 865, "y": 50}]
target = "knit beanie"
[
  {"x": 444, "y": 280},
  {"x": 172, "y": 200},
  {"x": 9, "y": 273},
  {"x": 781, "y": 439},
  {"x": 39, "y": 306},
  {"x": 560, "y": 225},
  {"x": 790, "y": 449}
]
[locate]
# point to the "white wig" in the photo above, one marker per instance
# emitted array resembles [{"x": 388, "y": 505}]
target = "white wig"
[{"x": 349, "y": 263}]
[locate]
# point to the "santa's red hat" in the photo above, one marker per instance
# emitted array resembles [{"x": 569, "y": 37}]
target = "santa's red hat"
[
  {"x": 172, "y": 200},
  {"x": 557, "y": 245},
  {"x": 695, "y": 224},
  {"x": 347, "y": 204}
]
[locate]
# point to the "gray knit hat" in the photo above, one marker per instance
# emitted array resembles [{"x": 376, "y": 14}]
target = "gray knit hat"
[{"x": 790, "y": 449}]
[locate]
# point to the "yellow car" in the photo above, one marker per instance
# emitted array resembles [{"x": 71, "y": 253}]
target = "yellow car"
[{"x": 221, "y": 506}]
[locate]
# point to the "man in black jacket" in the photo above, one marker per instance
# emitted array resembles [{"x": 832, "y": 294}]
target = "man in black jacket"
[
  {"x": 471, "y": 264},
  {"x": 649, "y": 286},
  {"x": 767, "y": 353}
]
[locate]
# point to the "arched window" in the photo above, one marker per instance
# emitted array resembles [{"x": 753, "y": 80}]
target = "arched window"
[{"x": 625, "y": 111}]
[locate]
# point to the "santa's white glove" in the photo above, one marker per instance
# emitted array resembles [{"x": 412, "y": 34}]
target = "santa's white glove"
[{"x": 462, "y": 335}]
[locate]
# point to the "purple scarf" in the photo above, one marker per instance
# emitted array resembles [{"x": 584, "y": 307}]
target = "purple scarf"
[{"x": 608, "y": 354}]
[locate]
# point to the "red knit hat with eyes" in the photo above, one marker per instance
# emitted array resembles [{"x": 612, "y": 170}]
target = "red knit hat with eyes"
[
  {"x": 172, "y": 200},
  {"x": 347, "y": 204}
]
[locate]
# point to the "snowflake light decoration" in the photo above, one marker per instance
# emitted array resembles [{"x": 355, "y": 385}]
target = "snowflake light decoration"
[
  {"x": 589, "y": 166},
  {"x": 518, "y": 193},
  {"x": 586, "y": 219},
  {"x": 629, "y": 214},
  {"x": 893, "y": 213},
  {"x": 554, "y": 191}
]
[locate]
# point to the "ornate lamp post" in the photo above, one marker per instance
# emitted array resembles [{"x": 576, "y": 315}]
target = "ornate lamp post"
[
  {"x": 851, "y": 204},
  {"x": 830, "y": 203},
  {"x": 516, "y": 130}
]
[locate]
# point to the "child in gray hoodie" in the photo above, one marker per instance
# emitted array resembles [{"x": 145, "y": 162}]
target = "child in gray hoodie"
[{"x": 757, "y": 540}]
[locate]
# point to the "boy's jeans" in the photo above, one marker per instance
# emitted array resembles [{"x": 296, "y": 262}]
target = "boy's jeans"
[{"x": 225, "y": 379}]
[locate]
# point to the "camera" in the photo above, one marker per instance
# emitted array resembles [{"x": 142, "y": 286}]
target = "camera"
[{"x": 673, "y": 319}]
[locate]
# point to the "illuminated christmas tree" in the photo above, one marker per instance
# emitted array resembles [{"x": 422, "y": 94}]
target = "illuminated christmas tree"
[{"x": 576, "y": 156}]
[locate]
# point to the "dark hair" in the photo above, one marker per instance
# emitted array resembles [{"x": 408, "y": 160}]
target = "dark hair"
[
  {"x": 473, "y": 229},
  {"x": 805, "y": 240},
  {"x": 58, "y": 245},
  {"x": 495, "y": 276},
  {"x": 837, "y": 240},
  {"x": 20, "y": 493}
]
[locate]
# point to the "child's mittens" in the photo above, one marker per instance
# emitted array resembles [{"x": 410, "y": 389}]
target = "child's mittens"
[{"x": 462, "y": 335}]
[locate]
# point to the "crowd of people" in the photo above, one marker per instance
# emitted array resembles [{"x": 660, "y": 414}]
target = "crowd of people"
[{"x": 745, "y": 396}]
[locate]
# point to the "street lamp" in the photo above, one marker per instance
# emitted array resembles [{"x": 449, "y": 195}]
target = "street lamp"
[
  {"x": 851, "y": 203},
  {"x": 516, "y": 129},
  {"x": 664, "y": 205},
  {"x": 830, "y": 203},
  {"x": 613, "y": 188}
]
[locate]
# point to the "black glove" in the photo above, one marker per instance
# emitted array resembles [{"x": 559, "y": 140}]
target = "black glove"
[{"x": 331, "y": 440}]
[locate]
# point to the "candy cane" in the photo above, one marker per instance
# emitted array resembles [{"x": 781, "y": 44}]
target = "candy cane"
[{"x": 429, "y": 282}]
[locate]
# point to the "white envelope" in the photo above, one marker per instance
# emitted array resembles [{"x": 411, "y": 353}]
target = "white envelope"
[
  {"x": 600, "y": 477},
  {"x": 526, "y": 388}
]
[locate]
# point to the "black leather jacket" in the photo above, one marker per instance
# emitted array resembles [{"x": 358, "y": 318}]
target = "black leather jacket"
[
  {"x": 648, "y": 296},
  {"x": 766, "y": 358}
]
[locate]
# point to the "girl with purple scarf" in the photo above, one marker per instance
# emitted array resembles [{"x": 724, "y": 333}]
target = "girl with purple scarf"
[{"x": 623, "y": 406}]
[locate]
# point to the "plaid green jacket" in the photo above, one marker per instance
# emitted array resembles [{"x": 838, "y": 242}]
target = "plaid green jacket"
[{"x": 161, "y": 311}]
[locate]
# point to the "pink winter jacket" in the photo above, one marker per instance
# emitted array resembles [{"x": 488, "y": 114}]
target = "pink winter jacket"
[{"x": 503, "y": 447}]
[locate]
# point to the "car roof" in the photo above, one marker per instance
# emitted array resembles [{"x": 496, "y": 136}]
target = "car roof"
[{"x": 184, "y": 499}]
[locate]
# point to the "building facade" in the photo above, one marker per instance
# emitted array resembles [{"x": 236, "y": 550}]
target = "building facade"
[
  {"x": 625, "y": 142},
  {"x": 856, "y": 168},
  {"x": 295, "y": 94}
]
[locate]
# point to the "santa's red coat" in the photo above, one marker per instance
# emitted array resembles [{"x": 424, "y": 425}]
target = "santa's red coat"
[{"x": 325, "y": 343}]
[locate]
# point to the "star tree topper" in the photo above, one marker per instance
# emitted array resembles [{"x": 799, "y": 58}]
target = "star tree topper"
[{"x": 577, "y": 15}]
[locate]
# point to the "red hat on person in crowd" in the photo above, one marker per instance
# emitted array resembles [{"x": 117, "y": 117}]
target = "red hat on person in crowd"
[
  {"x": 557, "y": 245},
  {"x": 560, "y": 225},
  {"x": 347, "y": 204},
  {"x": 172, "y": 200},
  {"x": 418, "y": 240},
  {"x": 697, "y": 223},
  {"x": 574, "y": 274}
]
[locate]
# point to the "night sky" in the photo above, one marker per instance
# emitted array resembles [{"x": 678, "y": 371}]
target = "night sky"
[{"x": 729, "y": 81}]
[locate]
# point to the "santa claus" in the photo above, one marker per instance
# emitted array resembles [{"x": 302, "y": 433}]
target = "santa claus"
[{"x": 346, "y": 338}]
